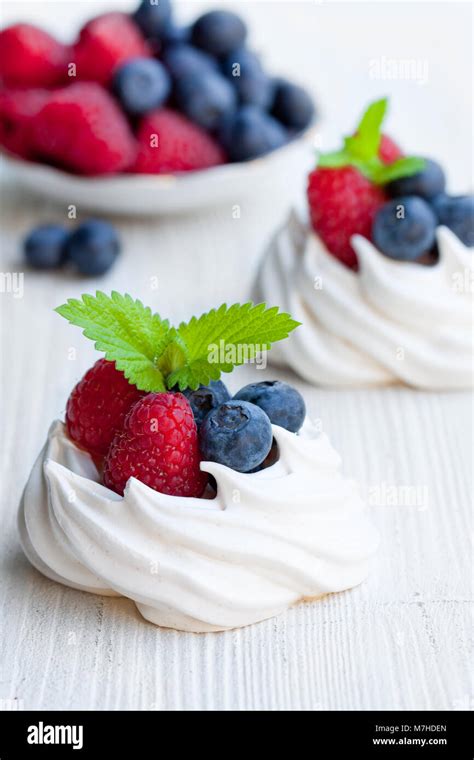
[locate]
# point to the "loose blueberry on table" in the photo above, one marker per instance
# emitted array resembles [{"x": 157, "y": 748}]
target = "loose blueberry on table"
[
  {"x": 369, "y": 187},
  {"x": 93, "y": 247},
  {"x": 154, "y": 407},
  {"x": 44, "y": 246},
  {"x": 89, "y": 107},
  {"x": 90, "y": 249}
]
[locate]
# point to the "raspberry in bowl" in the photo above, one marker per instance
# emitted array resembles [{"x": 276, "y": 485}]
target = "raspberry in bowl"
[
  {"x": 381, "y": 274},
  {"x": 142, "y": 115},
  {"x": 209, "y": 511}
]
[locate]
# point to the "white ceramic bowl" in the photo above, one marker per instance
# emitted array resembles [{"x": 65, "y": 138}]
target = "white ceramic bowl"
[{"x": 145, "y": 194}]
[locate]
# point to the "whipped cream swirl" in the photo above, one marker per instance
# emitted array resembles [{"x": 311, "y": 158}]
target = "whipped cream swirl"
[
  {"x": 295, "y": 530},
  {"x": 389, "y": 322}
]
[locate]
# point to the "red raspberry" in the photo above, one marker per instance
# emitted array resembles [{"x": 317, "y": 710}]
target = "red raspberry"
[
  {"x": 31, "y": 57},
  {"x": 17, "y": 109},
  {"x": 342, "y": 203},
  {"x": 388, "y": 150},
  {"x": 104, "y": 43},
  {"x": 98, "y": 405},
  {"x": 82, "y": 129},
  {"x": 169, "y": 142},
  {"x": 159, "y": 446}
]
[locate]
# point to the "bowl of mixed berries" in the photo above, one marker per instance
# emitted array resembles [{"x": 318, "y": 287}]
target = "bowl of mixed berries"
[{"x": 142, "y": 115}]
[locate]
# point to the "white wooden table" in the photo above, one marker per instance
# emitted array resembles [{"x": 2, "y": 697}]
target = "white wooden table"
[{"x": 401, "y": 639}]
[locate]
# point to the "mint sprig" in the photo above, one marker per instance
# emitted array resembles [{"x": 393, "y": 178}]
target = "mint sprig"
[
  {"x": 155, "y": 356},
  {"x": 361, "y": 150}
]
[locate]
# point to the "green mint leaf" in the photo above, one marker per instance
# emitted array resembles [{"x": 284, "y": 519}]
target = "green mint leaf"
[
  {"x": 368, "y": 168},
  {"x": 175, "y": 355},
  {"x": 402, "y": 167},
  {"x": 334, "y": 160},
  {"x": 364, "y": 144},
  {"x": 126, "y": 331},
  {"x": 379, "y": 173},
  {"x": 225, "y": 338}
]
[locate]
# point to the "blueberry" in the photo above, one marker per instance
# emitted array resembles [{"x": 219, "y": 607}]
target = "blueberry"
[
  {"x": 283, "y": 404},
  {"x": 44, "y": 247},
  {"x": 206, "y": 98},
  {"x": 141, "y": 85},
  {"x": 293, "y": 106},
  {"x": 457, "y": 213},
  {"x": 174, "y": 35},
  {"x": 236, "y": 434},
  {"x": 250, "y": 133},
  {"x": 182, "y": 59},
  {"x": 93, "y": 247},
  {"x": 219, "y": 32},
  {"x": 206, "y": 398},
  {"x": 244, "y": 70},
  {"x": 404, "y": 228},
  {"x": 427, "y": 183},
  {"x": 153, "y": 17}
]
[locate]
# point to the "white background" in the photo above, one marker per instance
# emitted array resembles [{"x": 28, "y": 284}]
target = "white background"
[{"x": 399, "y": 641}]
